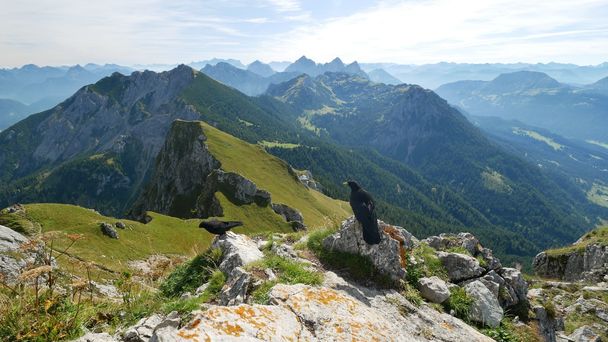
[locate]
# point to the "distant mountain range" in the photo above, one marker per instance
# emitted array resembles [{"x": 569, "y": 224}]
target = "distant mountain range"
[
  {"x": 433, "y": 75},
  {"x": 255, "y": 79},
  {"x": 31, "y": 88},
  {"x": 536, "y": 99}
]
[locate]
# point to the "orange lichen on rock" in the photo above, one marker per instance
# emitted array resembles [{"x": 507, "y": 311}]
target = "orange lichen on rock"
[
  {"x": 394, "y": 234},
  {"x": 447, "y": 325},
  {"x": 188, "y": 335},
  {"x": 228, "y": 328}
]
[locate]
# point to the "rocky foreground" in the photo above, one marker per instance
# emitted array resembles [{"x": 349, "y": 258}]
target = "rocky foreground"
[
  {"x": 340, "y": 309},
  {"x": 443, "y": 288}
]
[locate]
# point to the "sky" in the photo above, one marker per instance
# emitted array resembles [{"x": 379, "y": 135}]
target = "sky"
[{"x": 128, "y": 32}]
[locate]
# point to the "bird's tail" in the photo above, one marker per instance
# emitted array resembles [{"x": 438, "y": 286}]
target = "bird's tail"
[{"x": 232, "y": 224}]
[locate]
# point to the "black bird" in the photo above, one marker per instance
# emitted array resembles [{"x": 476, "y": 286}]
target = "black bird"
[
  {"x": 363, "y": 207},
  {"x": 219, "y": 227}
]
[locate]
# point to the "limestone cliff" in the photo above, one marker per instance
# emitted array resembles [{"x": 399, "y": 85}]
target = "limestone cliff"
[
  {"x": 586, "y": 259},
  {"x": 187, "y": 176}
]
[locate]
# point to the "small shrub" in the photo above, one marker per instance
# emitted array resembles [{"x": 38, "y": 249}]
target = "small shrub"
[
  {"x": 192, "y": 274},
  {"x": 261, "y": 295},
  {"x": 459, "y": 302},
  {"x": 412, "y": 295},
  {"x": 550, "y": 309},
  {"x": 508, "y": 332},
  {"x": 427, "y": 265},
  {"x": 459, "y": 250},
  {"x": 482, "y": 262}
]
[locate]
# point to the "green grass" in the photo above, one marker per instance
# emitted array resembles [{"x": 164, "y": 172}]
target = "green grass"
[
  {"x": 188, "y": 276},
  {"x": 460, "y": 302},
  {"x": 509, "y": 332},
  {"x": 427, "y": 265},
  {"x": 163, "y": 235},
  {"x": 273, "y": 175},
  {"x": 261, "y": 295},
  {"x": 288, "y": 271},
  {"x": 596, "y": 236}
]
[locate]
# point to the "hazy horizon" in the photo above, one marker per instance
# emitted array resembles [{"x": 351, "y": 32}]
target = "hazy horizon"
[{"x": 69, "y": 32}]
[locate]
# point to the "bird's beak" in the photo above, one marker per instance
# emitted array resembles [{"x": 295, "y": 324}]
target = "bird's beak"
[{"x": 345, "y": 183}]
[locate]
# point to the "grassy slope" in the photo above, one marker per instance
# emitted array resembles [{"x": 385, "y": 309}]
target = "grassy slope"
[
  {"x": 596, "y": 236},
  {"x": 272, "y": 174},
  {"x": 163, "y": 235}
]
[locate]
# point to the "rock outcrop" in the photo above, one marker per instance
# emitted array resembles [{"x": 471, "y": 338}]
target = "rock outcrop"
[
  {"x": 108, "y": 230},
  {"x": 504, "y": 289},
  {"x": 237, "y": 250},
  {"x": 291, "y": 215},
  {"x": 389, "y": 256},
  {"x": 13, "y": 260},
  {"x": 305, "y": 313},
  {"x": 181, "y": 171},
  {"x": 587, "y": 264}
]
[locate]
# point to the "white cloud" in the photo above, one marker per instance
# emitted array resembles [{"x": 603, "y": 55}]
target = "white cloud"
[
  {"x": 413, "y": 31},
  {"x": 285, "y": 5},
  {"x": 446, "y": 30}
]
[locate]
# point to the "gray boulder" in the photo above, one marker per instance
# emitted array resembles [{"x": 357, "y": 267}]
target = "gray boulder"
[
  {"x": 389, "y": 256},
  {"x": 234, "y": 291},
  {"x": 120, "y": 225},
  {"x": 434, "y": 289},
  {"x": 108, "y": 230},
  {"x": 516, "y": 283},
  {"x": 460, "y": 266},
  {"x": 584, "y": 334},
  {"x": 143, "y": 330},
  {"x": 165, "y": 330},
  {"x": 237, "y": 250},
  {"x": 485, "y": 309},
  {"x": 13, "y": 260}
]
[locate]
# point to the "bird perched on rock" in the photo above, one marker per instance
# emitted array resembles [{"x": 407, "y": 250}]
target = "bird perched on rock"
[
  {"x": 363, "y": 207},
  {"x": 219, "y": 227}
]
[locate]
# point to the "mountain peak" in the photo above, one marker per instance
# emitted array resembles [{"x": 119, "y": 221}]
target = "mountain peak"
[
  {"x": 261, "y": 69},
  {"x": 522, "y": 81}
]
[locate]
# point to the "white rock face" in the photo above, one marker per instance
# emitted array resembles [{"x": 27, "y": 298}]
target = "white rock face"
[
  {"x": 584, "y": 334},
  {"x": 389, "y": 256},
  {"x": 237, "y": 250},
  {"x": 434, "y": 289},
  {"x": 12, "y": 259},
  {"x": 306, "y": 313},
  {"x": 460, "y": 266},
  {"x": 485, "y": 309}
]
